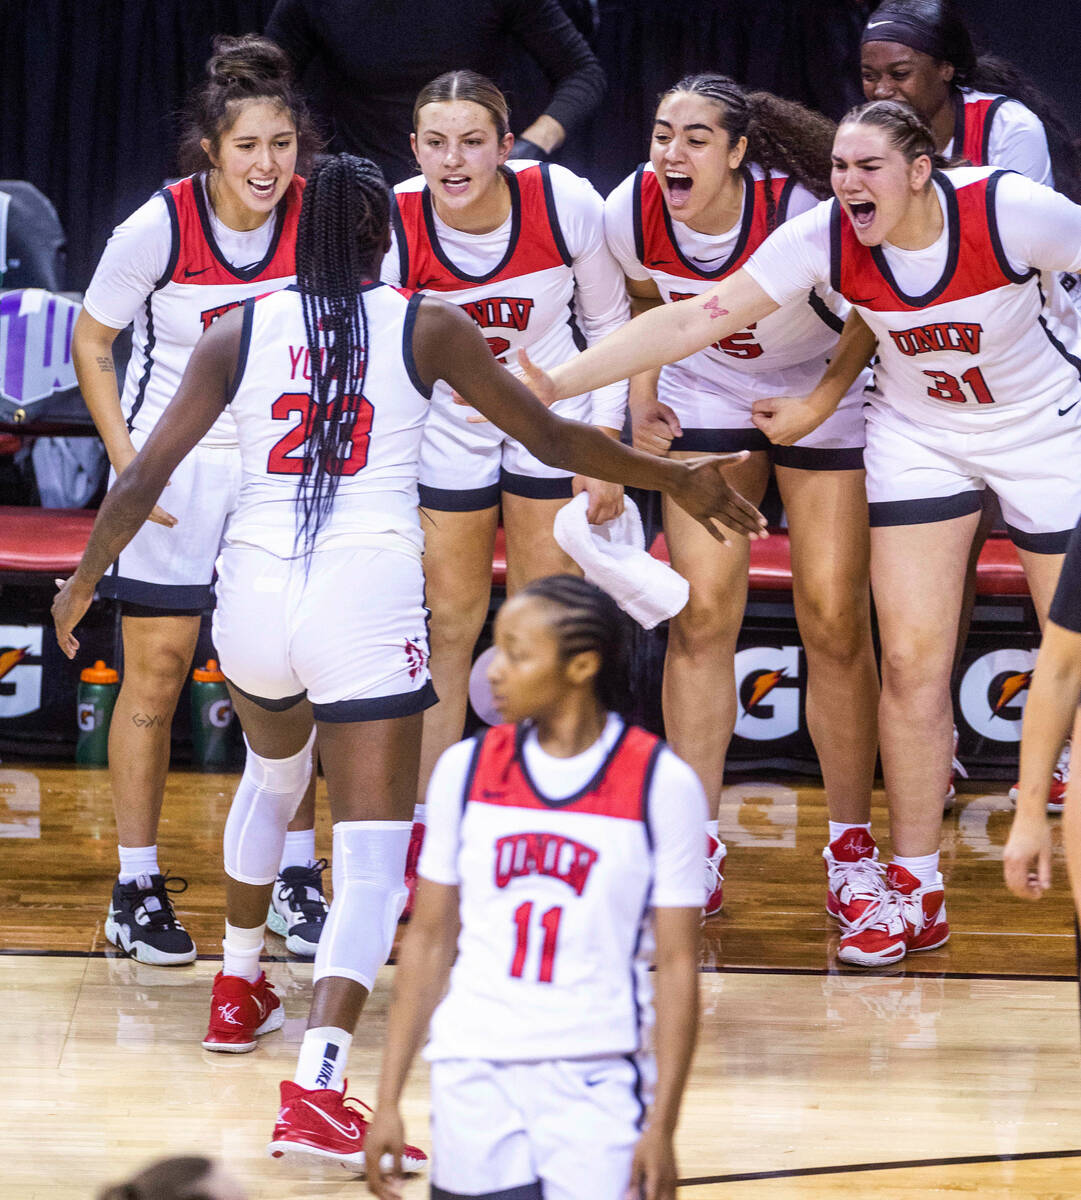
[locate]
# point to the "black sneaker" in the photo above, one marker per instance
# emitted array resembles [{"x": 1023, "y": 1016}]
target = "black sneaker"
[
  {"x": 142, "y": 923},
  {"x": 298, "y": 908}
]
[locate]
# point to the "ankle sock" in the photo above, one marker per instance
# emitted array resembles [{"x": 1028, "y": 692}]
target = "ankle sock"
[
  {"x": 924, "y": 867},
  {"x": 299, "y": 849},
  {"x": 137, "y": 860},
  {"x": 837, "y": 828},
  {"x": 242, "y": 948},
  {"x": 323, "y": 1055}
]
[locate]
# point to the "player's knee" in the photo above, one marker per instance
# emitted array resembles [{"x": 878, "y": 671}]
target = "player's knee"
[
  {"x": 915, "y": 664},
  {"x": 268, "y": 795},
  {"x": 369, "y": 894}
]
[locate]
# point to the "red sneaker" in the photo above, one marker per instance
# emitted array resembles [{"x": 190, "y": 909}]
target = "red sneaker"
[
  {"x": 716, "y": 857},
  {"x": 412, "y": 857},
  {"x": 854, "y": 875},
  {"x": 240, "y": 1012},
  {"x": 317, "y": 1123},
  {"x": 906, "y": 919},
  {"x": 1056, "y": 797}
]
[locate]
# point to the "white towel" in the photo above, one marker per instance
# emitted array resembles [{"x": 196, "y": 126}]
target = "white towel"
[{"x": 614, "y": 557}]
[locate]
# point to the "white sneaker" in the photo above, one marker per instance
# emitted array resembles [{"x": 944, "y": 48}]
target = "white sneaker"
[{"x": 716, "y": 854}]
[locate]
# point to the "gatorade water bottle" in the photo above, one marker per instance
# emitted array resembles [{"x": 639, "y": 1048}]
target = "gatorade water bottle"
[
  {"x": 98, "y": 688},
  {"x": 211, "y": 713}
]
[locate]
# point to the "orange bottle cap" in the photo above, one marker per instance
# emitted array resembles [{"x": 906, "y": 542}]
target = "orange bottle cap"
[
  {"x": 99, "y": 673},
  {"x": 209, "y": 673}
]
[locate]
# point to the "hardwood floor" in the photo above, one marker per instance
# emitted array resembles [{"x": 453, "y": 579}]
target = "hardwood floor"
[{"x": 956, "y": 1073}]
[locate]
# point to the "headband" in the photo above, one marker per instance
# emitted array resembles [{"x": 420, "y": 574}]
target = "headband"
[{"x": 908, "y": 31}]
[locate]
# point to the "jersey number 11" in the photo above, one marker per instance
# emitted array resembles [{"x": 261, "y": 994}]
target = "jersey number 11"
[{"x": 549, "y": 922}]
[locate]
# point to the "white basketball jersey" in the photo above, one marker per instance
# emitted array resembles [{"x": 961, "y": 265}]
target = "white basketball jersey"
[
  {"x": 982, "y": 342},
  {"x": 198, "y": 287},
  {"x": 783, "y": 353},
  {"x": 377, "y": 491}
]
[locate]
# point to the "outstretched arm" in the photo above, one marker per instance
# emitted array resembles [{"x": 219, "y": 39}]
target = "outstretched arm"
[
  {"x": 664, "y": 335},
  {"x": 203, "y": 393},
  {"x": 447, "y": 345}
]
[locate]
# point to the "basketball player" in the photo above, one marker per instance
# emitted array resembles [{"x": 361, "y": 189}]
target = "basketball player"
[
  {"x": 520, "y": 247},
  {"x": 563, "y": 848},
  {"x": 726, "y": 168},
  {"x": 975, "y": 389},
  {"x": 321, "y": 596},
  {"x": 195, "y": 250},
  {"x": 983, "y": 110}
]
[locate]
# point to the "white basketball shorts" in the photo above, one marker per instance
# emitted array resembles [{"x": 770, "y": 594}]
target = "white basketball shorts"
[
  {"x": 349, "y": 629},
  {"x": 465, "y": 466},
  {"x": 172, "y": 569},
  {"x": 917, "y": 474},
  {"x": 566, "y": 1128}
]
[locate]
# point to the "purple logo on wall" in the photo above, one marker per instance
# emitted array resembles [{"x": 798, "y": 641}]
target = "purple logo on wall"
[{"x": 35, "y": 345}]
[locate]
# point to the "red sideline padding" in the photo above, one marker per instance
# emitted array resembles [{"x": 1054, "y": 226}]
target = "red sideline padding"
[
  {"x": 51, "y": 541},
  {"x": 43, "y": 540}
]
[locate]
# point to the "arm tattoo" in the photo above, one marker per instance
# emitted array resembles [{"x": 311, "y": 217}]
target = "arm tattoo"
[
  {"x": 713, "y": 307},
  {"x": 105, "y": 364}
]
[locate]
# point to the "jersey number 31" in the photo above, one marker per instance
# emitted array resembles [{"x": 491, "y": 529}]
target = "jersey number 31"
[{"x": 287, "y": 455}]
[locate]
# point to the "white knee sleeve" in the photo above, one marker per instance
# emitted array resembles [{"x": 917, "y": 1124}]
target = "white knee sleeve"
[
  {"x": 266, "y": 799},
  {"x": 369, "y": 894}
]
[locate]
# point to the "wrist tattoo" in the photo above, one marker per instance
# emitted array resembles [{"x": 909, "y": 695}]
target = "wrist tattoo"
[{"x": 713, "y": 307}]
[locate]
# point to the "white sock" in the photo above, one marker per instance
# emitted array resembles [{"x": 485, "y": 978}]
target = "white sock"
[
  {"x": 838, "y": 827},
  {"x": 137, "y": 860},
  {"x": 924, "y": 867},
  {"x": 242, "y": 947},
  {"x": 711, "y": 829},
  {"x": 299, "y": 849},
  {"x": 323, "y": 1055},
  {"x": 420, "y": 814}
]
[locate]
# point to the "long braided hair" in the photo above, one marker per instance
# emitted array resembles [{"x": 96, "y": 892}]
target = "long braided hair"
[
  {"x": 781, "y": 135},
  {"x": 341, "y": 235},
  {"x": 588, "y": 619},
  {"x": 908, "y": 132},
  {"x": 936, "y": 27}
]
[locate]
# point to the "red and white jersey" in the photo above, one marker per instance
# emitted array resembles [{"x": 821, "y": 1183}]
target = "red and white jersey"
[
  {"x": 965, "y": 333},
  {"x": 377, "y": 492},
  {"x": 558, "y": 863},
  {"x": 197, "y": 283},
  {"x": 995, "y": 131},
  {"x": 648, "y": 244},
  {"x": 543, "y": 280}
]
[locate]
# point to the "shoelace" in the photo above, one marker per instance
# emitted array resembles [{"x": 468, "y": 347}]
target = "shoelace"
[
  {"x": 866, "y": 876},
  {"x": 714, "y": 878},
  {"x": 164, "y": 917},
  {"x": 1062, "y": 767},
  {"x": 296, "y": 890}
]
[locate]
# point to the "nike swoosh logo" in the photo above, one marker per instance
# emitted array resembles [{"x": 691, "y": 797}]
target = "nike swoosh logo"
[
  {"x": 875, "y": 24},
  {"x": 1063, "y": 411},
  {"x": 188, "y": 274},
  {"x": 350, "y": 1131}
]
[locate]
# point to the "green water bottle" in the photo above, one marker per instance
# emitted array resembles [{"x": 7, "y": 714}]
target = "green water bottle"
[
  {"x": 98, "y": 688},
  {"x": 211, "y": 715}
]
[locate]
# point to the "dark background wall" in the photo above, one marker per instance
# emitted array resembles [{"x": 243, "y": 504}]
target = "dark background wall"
[{"x": 90, "y": 89}]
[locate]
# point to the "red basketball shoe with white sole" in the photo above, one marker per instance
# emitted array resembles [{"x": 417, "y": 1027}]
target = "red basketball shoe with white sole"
[
  {"x": 855, "y": 879},
  {"x": 318, "y": 1123},
  {"x": 716, "y": 856},
  {"x": 1056, "y": 797},
  {"x": 412, "y": 857},
  {"x": 240, "y": 1012},
  {"x": 906, "y": 919}
]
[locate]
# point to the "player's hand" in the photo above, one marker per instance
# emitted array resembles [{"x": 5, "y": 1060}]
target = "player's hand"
[
  {"x": 605, "y": 499},
  {"x": 654, "y": 426},
  {"x": 706, "y": 495},
  {"x": 539, "y": 382},
  {"x": 653, "y": 1170},
  {"x": 787, "y": 419},
  {"x": 158, "y": 515},
  {"x": 1026, "y": 860},
  {"x": 385, "y": 1136},
  {"x": 69, "y": 607}
]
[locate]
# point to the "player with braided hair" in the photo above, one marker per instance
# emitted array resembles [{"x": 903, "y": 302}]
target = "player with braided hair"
[
  {"x": 320, "y": 613},
  {"x": 563, "y": 855},
  {"x": 726, "y": 168},
  {"x": 196, "y": 249},
  {"x": 978, "y": 385}
]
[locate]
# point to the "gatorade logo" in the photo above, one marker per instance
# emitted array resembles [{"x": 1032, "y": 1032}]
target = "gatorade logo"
[
  {"x": 20, "y": 680},
  {"x": 767, "y": 684},
  {"x": 87, "y": 724},
  {"x": 993, "y": 693},
  {"x": 220, "y": 713}
]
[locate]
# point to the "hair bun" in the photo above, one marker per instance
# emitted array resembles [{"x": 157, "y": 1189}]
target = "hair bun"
[{"x": 248, "y": 60}]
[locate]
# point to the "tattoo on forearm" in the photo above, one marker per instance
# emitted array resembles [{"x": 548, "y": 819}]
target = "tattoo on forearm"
[
  {"x": 147, "y": 720},
  {"x": 105, "y": 364},
  {"x": 713, "y": 307}
]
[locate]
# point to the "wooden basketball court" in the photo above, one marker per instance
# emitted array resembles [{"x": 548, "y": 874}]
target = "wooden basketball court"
[{"x": 956, "y": 1073}]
